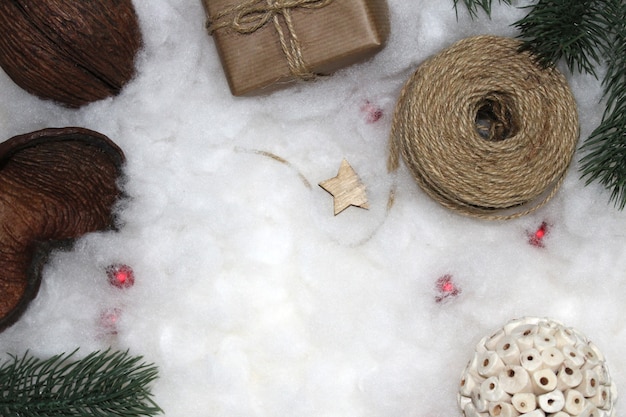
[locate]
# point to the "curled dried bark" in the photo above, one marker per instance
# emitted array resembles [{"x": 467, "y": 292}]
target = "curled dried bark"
[
  {"x": 55, "y": 185},
  {"x": 73, "y": 52}
]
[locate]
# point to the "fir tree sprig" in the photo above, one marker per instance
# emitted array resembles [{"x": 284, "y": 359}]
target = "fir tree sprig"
[
  {"x": 605, "y": 158},
  {"x": 576, "y": 31},
  {"x": 473, "y": 6},
  {"x": 103, "y": 383}
]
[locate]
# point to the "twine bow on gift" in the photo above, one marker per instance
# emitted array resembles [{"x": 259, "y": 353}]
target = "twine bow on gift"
[{"x": 250, "y": 16}]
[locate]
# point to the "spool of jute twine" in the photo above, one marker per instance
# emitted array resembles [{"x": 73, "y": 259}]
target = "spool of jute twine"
[{"x": 485, "y": 130}]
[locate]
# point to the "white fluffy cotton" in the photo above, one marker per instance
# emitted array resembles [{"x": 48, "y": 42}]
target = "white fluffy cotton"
[{"x": 250, "y": 296}]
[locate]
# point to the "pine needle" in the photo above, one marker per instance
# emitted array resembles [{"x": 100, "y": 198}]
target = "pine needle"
[
  {"x": 576, "y": 31},
  {"x": 103, "y": 384},
  {"x": 473, "y": 6},
  {"x": 605, "y": 158}
]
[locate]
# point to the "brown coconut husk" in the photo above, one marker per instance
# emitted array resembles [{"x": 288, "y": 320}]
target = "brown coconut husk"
[
  {"x": 55, "y": 186},
  {"x": 72, "y": 52}
]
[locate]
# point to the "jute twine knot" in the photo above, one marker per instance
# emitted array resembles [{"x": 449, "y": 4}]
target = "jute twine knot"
[
  {"x": 250, "y": 16},
  {"x": 485, "y": 130}
]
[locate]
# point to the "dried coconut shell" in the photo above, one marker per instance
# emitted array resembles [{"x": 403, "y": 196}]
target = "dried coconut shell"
[
  {"x": 72, "y": 52},
  {"x": 55, "y": 186}
]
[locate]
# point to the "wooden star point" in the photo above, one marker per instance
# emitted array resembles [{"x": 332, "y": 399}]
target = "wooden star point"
[{"x": 346, "y": 188}]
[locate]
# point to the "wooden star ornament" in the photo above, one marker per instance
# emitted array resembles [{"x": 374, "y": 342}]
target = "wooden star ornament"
[{"x": 346, "y": 188}]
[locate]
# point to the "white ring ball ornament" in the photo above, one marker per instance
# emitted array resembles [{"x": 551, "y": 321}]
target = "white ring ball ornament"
[{"x": 537, "y": 367}]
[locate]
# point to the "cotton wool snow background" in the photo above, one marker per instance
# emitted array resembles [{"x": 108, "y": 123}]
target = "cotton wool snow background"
[{"x": 250, "y": 296}]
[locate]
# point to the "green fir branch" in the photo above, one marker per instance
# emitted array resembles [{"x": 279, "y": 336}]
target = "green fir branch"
[
  {"x": 473, "y": 6},
  {"x": 577, "y": 32},
  {"x": 605, "y": 158},
  {"x": 104, "y": 384}
]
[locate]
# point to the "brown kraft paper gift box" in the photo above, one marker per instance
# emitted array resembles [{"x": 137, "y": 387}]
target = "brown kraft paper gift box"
[{"x": 264, "y": 44}]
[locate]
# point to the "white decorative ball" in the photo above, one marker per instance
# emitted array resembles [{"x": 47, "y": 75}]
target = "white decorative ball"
[{"x": 535, "y": 367}]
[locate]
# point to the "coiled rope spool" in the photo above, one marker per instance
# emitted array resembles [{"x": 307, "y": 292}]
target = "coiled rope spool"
[{"x": 485, "y": 130}]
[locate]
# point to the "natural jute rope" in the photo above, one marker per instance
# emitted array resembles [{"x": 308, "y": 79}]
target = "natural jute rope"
[{"x": 485, "y": 130}]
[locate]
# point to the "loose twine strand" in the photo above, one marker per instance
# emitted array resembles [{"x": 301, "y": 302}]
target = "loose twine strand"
[
  {"x": 252, "y": 15},
  {"x": 485, "y": 130}
]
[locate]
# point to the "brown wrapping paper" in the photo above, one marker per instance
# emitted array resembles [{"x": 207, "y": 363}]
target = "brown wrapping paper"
[{"x": 321, "y": 36}]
